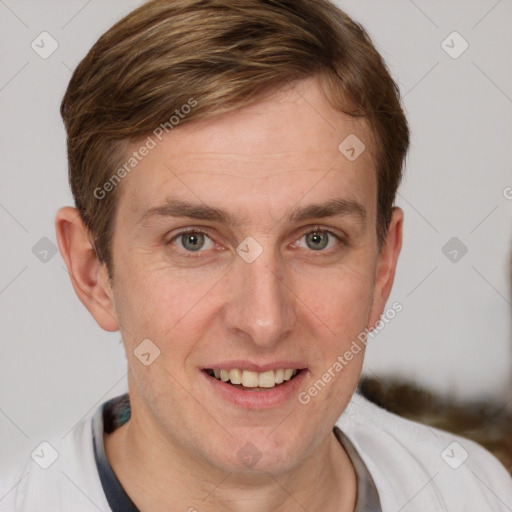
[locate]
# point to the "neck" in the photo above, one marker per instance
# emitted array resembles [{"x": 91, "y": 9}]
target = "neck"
[{"x": 160, "y": 476}]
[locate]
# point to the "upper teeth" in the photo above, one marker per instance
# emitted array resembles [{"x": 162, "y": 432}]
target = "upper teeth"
[{"x": 251, "y": 379}]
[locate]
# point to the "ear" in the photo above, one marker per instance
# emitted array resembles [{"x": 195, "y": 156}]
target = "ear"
[
  {"x": 386, "y": 265},
  {"x": 89, "y": 276}
]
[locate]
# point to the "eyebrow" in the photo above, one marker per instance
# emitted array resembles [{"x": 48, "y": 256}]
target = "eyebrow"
[{"x": 177, "y": 208}]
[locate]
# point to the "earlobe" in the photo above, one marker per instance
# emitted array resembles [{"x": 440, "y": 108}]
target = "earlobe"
[
  {"x": 88, "y": 276},
  {"x": 386, "y": 264}
]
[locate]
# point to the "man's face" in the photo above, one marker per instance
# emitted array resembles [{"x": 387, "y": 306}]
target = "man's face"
[{"x": 294, "y": 296}]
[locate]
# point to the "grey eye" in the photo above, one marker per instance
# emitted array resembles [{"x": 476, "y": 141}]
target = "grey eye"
[
  {"x": 317, "y": 240},
  {"x": 192, "y": 241}
]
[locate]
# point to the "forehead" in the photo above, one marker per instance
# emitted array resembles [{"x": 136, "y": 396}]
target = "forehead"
[{"x": 289, "y": 149}]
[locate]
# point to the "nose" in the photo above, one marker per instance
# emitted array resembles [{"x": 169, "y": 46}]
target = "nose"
[{"x": 261, "y": 305}]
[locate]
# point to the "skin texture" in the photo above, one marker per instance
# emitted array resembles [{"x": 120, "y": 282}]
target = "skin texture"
[{"x": 179, "y": 449}]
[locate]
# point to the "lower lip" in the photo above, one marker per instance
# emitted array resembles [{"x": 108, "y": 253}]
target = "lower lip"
[{"x": 265, "y": 399}]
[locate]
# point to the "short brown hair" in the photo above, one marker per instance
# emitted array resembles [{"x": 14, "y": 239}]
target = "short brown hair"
[{"x": 225, "y": 54}]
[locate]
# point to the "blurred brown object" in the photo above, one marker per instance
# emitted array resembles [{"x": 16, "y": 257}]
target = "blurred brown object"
[{"x": 487, "y": 423}]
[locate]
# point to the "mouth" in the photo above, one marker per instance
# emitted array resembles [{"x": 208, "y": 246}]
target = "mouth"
[{"x": 248, "y": 380}]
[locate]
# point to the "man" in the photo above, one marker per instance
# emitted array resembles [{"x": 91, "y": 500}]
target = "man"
[{"x": 234, "y": 166}]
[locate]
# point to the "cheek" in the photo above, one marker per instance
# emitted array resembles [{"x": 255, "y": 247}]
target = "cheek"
[
  {"x": 343, "y": 305},
  {"x": 341, "y": 298},
  {"x": 340, "y": 308},
  {"x": 160, "y": 306},
  {"x": 153, "y": 303},
  {"x": 172, "y": 307}
]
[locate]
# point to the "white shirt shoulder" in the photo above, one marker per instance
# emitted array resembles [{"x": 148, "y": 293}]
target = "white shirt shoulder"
[
  {"x": 61, "y": 476},
  {"x": 417, "y": 468}
]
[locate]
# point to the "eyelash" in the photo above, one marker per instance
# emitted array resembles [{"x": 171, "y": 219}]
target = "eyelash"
[{"x": 190, "y": 254}]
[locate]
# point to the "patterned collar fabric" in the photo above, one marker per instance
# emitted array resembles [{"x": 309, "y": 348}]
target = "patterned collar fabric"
[
  {"x": 115, "y": 412},
  {"x": 106, "y": 420}
]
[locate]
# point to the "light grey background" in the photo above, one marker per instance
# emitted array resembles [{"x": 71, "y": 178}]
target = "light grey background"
[{"x": 454, "y": 333}]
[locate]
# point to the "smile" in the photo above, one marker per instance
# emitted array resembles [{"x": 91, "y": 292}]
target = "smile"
[{"x": 251, "y": 380}]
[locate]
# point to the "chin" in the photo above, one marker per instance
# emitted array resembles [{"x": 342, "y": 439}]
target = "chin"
[{"x": 259, "y": 454}]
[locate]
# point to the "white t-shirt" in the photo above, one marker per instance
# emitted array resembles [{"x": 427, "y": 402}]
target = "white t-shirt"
[{"x": 401, "y": 466}]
